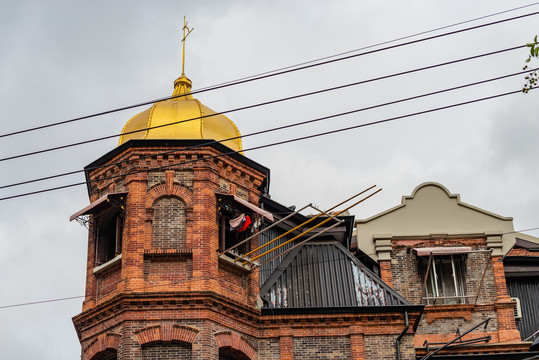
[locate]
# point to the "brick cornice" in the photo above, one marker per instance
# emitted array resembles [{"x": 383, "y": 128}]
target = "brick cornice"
[
  {"x": 167, "y": 301},
  {"x": 212, "y": 306}
]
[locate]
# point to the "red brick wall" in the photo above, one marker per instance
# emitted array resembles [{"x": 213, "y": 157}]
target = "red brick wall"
[
  {"x": 171, "y": 270},
  {"x": 385, "y": 272},
  {"x": 108, "y": 280},
  {"x": 383, "y": 347},
  {"x": 164, "y": 351},
  {"x": 269, "y": 349},
  {"x": 234, "y": 282},
  {"x": 318, "y": 347}
]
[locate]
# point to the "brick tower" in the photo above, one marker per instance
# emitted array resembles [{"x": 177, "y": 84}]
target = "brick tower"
[{"x": 156, "y": 287}]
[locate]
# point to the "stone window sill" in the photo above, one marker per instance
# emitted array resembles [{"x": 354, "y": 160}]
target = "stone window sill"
[{"x": 99, "y": 269}]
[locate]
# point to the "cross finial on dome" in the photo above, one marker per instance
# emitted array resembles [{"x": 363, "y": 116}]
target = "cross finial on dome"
[{"x": 183, "y": 41}]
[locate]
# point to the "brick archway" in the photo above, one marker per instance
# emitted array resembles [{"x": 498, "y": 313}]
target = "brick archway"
[
  {"x": 231, "y": 340},
  {"x": 103, "y": 347},
  {"x": 170, "y": 190},
  {"x": 166, "y": 333}
]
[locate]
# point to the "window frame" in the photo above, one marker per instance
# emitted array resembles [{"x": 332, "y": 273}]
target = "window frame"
[
  {"x": 114, "y": 225},
  {"x": 437, "y": 280}
]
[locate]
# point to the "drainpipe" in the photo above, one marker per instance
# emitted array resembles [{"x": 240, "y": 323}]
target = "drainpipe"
[{"x": 398, "y": 341}]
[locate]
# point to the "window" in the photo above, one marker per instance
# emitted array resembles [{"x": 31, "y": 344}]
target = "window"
[
  {"x": 107, "y": 214},
  {"x": 445, "y": 282},
  {"x": 108, "y": 234},
  {"x": 229, "y": 236},
  {"x": 238, "y": 220}
]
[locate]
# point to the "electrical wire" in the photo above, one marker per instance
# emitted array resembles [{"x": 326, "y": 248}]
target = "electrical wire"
[
  {"x": 265, "y": 103},
  {"x": 280, "y": 142},
  {"x": 41, "y": 302},
  {"x": 263, "y": 131},
  {"x": 288, "y": 70},
  {"x": 145, "y": 287},
  {"x": 377, "y": 44},
  {"x": 186, "y": 280}
]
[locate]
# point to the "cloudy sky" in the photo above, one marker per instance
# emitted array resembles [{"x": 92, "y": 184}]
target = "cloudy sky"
[{"x": 64, "y": 59}]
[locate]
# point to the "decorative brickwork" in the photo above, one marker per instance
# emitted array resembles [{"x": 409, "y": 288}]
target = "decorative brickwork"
[
  {"x": 102, "y": 346},
  {"x": 234, "y": 344},
  {"x": 166, "y": 333}
]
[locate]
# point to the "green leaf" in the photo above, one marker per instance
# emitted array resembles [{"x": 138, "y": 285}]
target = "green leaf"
[{"x": 528, "y": 60}]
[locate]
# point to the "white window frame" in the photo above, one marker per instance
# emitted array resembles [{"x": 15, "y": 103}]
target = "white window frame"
[{"x": 432, "y": 280}]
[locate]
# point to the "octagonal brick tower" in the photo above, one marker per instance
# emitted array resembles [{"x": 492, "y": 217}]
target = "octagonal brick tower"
[{"x": 160, "y": 205}]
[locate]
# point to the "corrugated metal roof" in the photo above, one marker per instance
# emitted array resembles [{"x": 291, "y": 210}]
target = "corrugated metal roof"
[{"x": 325, "y": 274}]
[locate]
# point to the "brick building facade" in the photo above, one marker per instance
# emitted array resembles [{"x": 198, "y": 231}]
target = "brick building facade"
[
  {"x": 438, "y": 251},
  {"x": 159, "y": 285},
  {"x": 178, "y": 219}
]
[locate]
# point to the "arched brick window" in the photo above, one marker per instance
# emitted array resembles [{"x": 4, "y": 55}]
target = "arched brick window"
[
  {"x": 104, "y": 347},
  {"x": 169, "y": 223},
  {"x": 232, "y": 354},
  {"x": 165, "y": 351},
  {"x": 105, "y": 355},
  {"x": 233, "y": 347}
]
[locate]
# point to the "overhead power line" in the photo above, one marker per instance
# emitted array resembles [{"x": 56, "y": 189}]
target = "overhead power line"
[
  {"x": 271, "y": 129},
  {"x": 265, "y": 103},
  {"x": 288, "y": 69},
  {"x": 186, "y": 280},
  {"x": 151, "y": 286},
  {"x": 283, "y": 142},
  {"x": 41, "y": 302},
  {"x": 377, "y": 44}
]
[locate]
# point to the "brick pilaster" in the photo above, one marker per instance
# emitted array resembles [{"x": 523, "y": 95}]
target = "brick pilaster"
[
  {"x": 385, "y": 272},
  {"x": 504, "y": 307},
  {"x": 357, "y": 344},
  {"x": 287, "y": 347},
  {"x": 205, "y": 231},
  {"x": 133, "y": 242}
]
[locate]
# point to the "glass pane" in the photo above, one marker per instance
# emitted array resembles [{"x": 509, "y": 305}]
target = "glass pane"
[{"x": 445, "y": 280}]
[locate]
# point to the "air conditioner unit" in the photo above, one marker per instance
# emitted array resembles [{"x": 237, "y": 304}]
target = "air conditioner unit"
[{"x": 517, "y": 309}]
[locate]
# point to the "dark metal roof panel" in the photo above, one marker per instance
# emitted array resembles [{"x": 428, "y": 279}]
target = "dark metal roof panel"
[
  {"x": 325, "y": 274},
  {"x": 267, "y": 269}
]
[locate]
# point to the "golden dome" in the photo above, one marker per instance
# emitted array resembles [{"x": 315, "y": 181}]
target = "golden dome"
[{"x": 190, "y": 119}]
